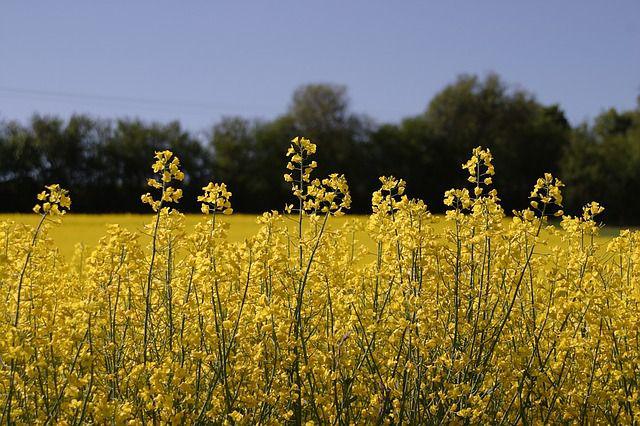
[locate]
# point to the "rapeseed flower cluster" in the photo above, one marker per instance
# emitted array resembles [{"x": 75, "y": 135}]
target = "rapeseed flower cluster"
[
  {"x": 167, "y": 169},
  {"x": 53, "y": 201},
  {"x": 216, "y": 198},
  {"x": 486, "y": 320}
]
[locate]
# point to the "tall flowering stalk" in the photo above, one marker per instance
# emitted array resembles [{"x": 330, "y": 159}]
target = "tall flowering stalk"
[
  {"x": 53, "y": 202},
  {"x": 316, "y": 198},
  {"x": 167, "y": 170}
]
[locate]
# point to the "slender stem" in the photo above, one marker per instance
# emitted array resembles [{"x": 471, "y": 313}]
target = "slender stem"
[
  {"x": 147, "y": 304},
  {"x": 7, "y": 409}
]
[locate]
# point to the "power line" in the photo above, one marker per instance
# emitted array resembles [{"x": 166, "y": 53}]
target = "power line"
[
  {"x": 150, "y": 104},
  {"x": 74, "y": 96},
  {"x": 113, "y": 105}
]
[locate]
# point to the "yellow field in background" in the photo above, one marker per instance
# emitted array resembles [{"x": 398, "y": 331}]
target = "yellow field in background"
[{"x": 88, "y": 228}]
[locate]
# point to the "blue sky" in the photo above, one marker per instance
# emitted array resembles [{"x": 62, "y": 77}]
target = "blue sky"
[{"x": 199, "y": 60}]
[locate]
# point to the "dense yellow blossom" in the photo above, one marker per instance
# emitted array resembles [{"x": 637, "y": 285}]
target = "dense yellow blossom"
[{"x": 483, "y": 321}]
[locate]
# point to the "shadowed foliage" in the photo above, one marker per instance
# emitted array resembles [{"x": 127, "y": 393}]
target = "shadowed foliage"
[{"x": 95, "y": 157}]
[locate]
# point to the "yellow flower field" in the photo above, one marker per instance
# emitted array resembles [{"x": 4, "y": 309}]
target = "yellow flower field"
[
  {"x": 83, "y": 231},
  {"x": 86, "y": 229},
  {"x": 309, "y": 316}
]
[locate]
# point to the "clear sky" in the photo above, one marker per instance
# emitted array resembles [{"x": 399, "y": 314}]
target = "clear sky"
[{"x": 199, "y": 60}]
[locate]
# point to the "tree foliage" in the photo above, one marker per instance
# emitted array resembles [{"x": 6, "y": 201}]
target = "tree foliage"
[{"x": 95, "y": 157}]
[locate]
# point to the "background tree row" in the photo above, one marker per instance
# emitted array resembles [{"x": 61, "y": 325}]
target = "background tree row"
[{"x": 105, "y": 162}]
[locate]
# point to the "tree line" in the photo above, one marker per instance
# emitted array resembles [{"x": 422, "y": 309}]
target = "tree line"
[{"x": 105, "y": 163}]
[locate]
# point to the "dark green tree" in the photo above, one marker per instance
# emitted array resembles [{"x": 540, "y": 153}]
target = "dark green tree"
[
  {"x": 525, "y": 137},
  {"x": 322, "y": 113},
  {"x": 602, "y": 164}
]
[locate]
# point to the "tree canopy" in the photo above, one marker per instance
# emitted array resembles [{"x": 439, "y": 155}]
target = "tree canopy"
[{"x": 105, "y": 162}]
